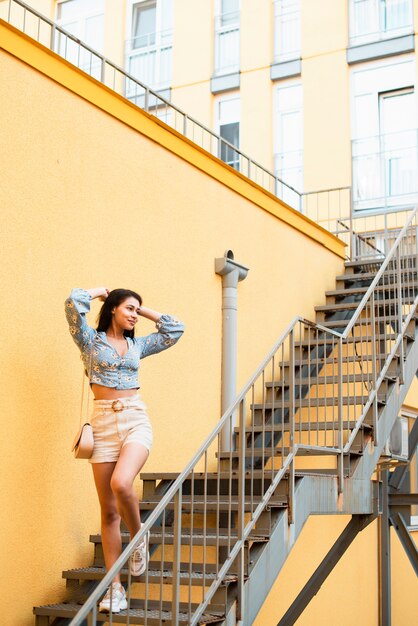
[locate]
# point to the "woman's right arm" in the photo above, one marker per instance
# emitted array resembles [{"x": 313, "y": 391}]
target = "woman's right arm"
[{"x": 77, "y": 305}]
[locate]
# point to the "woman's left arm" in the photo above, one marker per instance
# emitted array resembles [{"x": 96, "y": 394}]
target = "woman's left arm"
[{"x": 169, "y": 332}]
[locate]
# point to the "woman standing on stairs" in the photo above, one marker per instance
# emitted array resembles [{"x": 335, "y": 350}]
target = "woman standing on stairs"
[{"x": 121, "y": 428}]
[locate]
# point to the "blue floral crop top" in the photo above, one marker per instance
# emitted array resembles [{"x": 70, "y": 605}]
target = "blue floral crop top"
[{"x": 102, "y": 362}]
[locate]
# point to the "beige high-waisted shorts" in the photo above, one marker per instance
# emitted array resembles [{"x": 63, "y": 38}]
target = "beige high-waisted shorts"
[{"x": 116, "y": 423}]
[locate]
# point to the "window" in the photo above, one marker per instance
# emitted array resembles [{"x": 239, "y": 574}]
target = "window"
[
  {"x": 227, "y": 26},
  {"x": 286, "y": 30},
  {"x": 150, "y": 46},
  {"x": 385, "y": 146},
  {"x": 289, "y": 135},
  {"x": 372, "y": 20},
  {"x": 85, "y": 20},
  {"x": 228, "y": 117}
]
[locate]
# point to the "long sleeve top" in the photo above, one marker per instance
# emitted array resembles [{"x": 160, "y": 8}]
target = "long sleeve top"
[{"x": 102, "y": 362}]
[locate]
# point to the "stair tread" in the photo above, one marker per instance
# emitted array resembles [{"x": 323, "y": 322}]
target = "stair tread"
[
  {"x": 345, "y": 306},
  {"x": 314, "y": 402},
  {"x": 335, "y": 293},
  {"x": 69, "y": 609},
  {"x": 312, "y": 426},
  {"x": 214, "y": 475},
  {"x": 210, "y": 535},
  {"x": 365, "y": 321},
  {"x": 154, "y": 571},
  {"x": 370, "y": 276},
  {"x": 375, "y": 260},
  {"x": 278, "y": 451},
  {"x": 324, "y": 339},
  {"x": 330, "y": 359},
  {"x": 328, "y": 380}
]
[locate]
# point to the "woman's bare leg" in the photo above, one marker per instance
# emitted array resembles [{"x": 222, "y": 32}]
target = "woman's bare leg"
[
  {"x": 131, "y": 460},
  {"x": 111, "y": 538}
]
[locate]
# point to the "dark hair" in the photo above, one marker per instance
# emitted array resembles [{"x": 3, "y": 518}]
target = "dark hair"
[{"x": 114, "y": 299}]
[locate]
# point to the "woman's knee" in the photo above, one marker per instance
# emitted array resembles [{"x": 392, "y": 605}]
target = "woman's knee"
[
  {"x": 110, "y": 516},
  {"x": 121, "y": 487}
]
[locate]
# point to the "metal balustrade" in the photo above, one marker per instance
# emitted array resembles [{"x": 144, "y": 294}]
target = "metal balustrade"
[
  {"x": 315, "y": 393},
  {"x": 385, "y": 170}
]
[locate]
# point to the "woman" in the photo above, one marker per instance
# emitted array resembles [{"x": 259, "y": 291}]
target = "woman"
[{"x": 121, "y": 428}]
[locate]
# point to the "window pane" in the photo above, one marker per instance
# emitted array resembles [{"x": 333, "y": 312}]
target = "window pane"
[
  {"x": 144, "y": 25},
  {"x": 230, "y": 132},
  {"x": 94, "y": 30},
  {"x": 395, "y": 14},
  {"x": 229, "y": 12},
  {"x": 287, "y": 29},
  {"x": 74, "y": 8}
]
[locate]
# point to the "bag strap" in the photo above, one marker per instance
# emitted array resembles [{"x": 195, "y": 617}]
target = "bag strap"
[{"x": 83, "y": 384}]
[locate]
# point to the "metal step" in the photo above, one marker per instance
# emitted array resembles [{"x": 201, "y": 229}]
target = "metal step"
[
  {"x": 350, "y": 291},
  {"x": 365, "y": 321},
  {"x": 347, "y": 306},
  {"x": 255, "y": 474},
  {"x": 209, "y": 538},
  {"x": 315, "y": 402},
  {"x": 325, "y": 380},
  {"x": 376, "y": 261},
  {"x": 302, "y": 426},
  {"x": 257, "y": 453},
  {"x": 189, "y": 574},
  {"x": 370, "y": 276},
  {"x": 325, "y": 339},
  {"x": 136, "y": 614},
  {"x": 210, "y": 503},
  {"x": 321, "y": 361}
]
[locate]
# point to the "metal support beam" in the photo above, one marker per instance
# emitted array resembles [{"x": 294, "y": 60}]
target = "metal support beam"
[
  {"x": 385, "y": 614},
  {"x": 400, "y": 472},
  {"x": 406, "y": 540},
  {"x": 350, "y": 532}
]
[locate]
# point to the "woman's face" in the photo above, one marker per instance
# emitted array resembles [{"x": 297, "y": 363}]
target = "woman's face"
[{"x": 126, "y": 314}]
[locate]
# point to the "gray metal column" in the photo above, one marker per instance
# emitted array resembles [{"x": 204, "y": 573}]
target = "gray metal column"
[
  {"x": 231, "y": 272},
  {"x": 385, "y": 600}
]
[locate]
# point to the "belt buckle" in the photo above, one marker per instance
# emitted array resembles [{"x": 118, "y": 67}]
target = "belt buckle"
[{"x": 117, "y": 405}]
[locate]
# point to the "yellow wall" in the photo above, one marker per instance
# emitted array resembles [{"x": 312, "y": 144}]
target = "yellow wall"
[{"x": 89, "y": 199}]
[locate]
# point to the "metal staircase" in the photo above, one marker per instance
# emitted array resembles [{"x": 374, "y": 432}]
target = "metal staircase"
[{"x": 223, "y": 528}]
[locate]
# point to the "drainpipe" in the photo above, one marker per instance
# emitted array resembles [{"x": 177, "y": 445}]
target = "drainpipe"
[{"x": 232, "y": 273}]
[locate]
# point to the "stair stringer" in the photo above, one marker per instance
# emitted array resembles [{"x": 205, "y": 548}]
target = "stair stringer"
[
  {"x": 314, "y": 495},
  {"x": 371, "y": 454}
]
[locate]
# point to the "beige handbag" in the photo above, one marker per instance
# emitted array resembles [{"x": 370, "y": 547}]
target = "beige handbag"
[{"x": 83, "y": 443}]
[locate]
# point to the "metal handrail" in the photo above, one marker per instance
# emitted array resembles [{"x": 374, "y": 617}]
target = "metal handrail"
[{"x": 379, "y": 275}]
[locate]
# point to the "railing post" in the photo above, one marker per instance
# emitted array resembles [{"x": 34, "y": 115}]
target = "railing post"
[
  {"x": 350, "y": 195},
  {"x": 400, "y": 319},
  {"x": 52, "y": 40},
  {"x": 241, "y": 510},
  {"x": 340, "y": 418},
  {"x": 175, "y": 585},
  {"x": 103, "y": 70},
  {"x": 374, "y": 368},
  {"x": 291, "y": 513}
]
